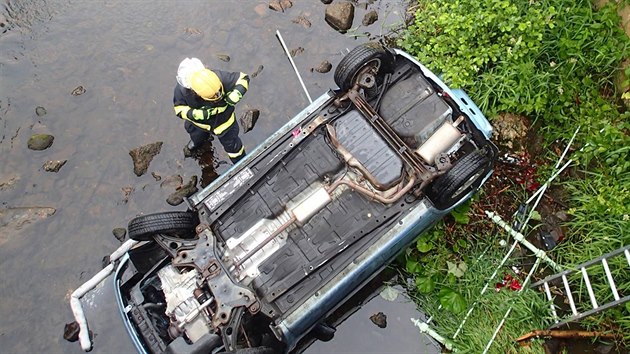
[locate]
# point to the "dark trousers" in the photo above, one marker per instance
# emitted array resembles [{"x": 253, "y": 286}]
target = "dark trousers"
[{"x": 229, "y": 138}]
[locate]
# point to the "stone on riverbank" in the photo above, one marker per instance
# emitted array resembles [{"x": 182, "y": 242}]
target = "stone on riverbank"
[
  {"x": 120, "y": 233},
  {"x": 40, "y": 142},
  {"x": 40, "y": 111},
  {"x": 511, "y": 131},
  {"x": 54, "y": 165},
  {"x": 184, "y": 191},
  {"x": 248, "y": 120},
  {"x": 323, "y": 67},
  {"x": 340, "y": 16},
  {"x": 143, "y": 155},
  {"x": 369, "y": 18},
  {"x": 379, "y": 319},
  {"x": 280, "y": 5}
]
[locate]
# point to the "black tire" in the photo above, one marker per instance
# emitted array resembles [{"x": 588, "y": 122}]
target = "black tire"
[
  {"x": 366, "y": 54},
  {"x": 466, "y": 174},
  {"x": 175, "y": 223}
]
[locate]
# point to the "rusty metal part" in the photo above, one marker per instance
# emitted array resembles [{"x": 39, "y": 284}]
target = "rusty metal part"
[
  {"x": 371, "y": 194},
  {"x": 351, "y": 160},
  {"x": 227, "y": 294}
]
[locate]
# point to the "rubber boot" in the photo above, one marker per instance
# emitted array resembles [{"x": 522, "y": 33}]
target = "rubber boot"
[{"x": 189, "y": 149}]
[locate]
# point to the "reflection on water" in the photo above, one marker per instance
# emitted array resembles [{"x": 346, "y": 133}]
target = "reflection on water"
[{"x": 125, "y": 54}]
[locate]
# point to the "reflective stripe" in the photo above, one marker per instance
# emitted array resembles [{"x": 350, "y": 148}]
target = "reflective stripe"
[
  {"x": 243, "y": 80},
  {"x": 223, "y": 127},
  {"x": 181, "y": 111},
  {"x": 217, "y": 110},
  {"x": 236, "y": 154},
  {"x": 202, "y": 126}
]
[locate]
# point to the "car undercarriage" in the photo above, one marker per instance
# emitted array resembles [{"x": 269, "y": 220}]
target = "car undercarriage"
[{"x": 268, "y": 251}]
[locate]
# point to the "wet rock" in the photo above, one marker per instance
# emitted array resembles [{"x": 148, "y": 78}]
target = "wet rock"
[
  {"x": 71, "y": 331},
  {"x": 105, "y": 261},
  {"x": 40, "y": 111},
  {"x": 280, "y": 5},
  {"x": 120, "y": 233},
  {"x": 79, "y": 90},
  {"x": 174, "y": 181},
  {"x": 323, "y": 67},
  {"x": 379, "y": 319},
  {"x": 143, "y": 155},
  {"x": 511, "y": 130},
  {"x": 40, "y": 141},
  {"x": 184, "y": 191},
  {"x": 54, "y": 165},
  {"x": 192, "y": 34},
  {"x": 296, "y": 51},
  {"x": 14, "y": 219},
  {"x": 224, "y": 57},
  {"x": 258, "y": 71},
  {"x": 248, "y": 120},
  {"x": 370, "y": 17},
  {"x": 302, "y": 20},
  {"x": 126, "y": 193},
  {"x": 275, "y": 5},
  {"x": 340, "y": 16},
  {"x": 156, "y": 176},
  {"x": 8, "y": 183},
  {"x": 286, "y": 4}
]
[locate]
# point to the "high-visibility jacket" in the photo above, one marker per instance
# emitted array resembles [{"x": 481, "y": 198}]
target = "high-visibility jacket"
[{"x": 220, "y": 115}]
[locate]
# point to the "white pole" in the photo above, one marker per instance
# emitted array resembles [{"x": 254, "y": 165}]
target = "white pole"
[{"x": 286, "y": 51}]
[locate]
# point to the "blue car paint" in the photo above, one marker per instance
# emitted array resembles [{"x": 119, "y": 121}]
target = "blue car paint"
[{"x": 461, "y": 98}]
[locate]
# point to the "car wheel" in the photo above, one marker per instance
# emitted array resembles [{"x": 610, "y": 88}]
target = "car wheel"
[
  {"x": 465, "y": 176},
  {"x": 176, "y": 223},
  {"x": 369, "y": 54}
]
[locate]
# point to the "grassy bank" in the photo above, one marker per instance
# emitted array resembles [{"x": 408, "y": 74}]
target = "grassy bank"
[{"x": 553, "y": 62}]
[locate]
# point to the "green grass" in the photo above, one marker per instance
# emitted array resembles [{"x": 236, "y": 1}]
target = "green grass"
[{"x": 553, "y": 61}]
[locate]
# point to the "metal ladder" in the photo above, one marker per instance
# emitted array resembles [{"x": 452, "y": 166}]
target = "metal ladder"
[{"x": 583, "y": 268}]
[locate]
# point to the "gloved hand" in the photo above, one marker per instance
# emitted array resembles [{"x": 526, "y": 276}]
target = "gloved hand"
[
  {"x": 233, "y": 97},
  {"x": 202, "y": 113}
]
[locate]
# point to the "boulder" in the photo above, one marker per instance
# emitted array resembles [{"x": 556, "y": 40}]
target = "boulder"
[
  {"x": 370, "y": 17},
  {"x": 143, "y": 155},
  {"x": 340, "y": 16},
  {"x": 40, "y": 141},
  {"x": 54, "y": 165},
  {"x": 511, "y": 131},
  {"x": 323, "y": 67},
  {"x": 120, "y": 233},
  {"x": 40, "y": 111},
  {"x": 379, "y": 319},
  {"x": 184, "y": 191}
]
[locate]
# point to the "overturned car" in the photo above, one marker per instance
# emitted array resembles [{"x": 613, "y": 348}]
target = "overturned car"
[{"x": 271, "y": 248}]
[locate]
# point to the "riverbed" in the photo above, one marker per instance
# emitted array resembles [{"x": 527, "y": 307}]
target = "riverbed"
[{"x": 103, "y": 73}]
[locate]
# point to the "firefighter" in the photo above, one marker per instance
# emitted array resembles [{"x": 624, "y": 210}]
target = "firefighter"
[{"x": 205, "y": 100}]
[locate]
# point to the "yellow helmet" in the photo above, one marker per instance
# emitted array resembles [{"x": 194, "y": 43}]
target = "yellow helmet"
[{"x": 206, "y": 84}]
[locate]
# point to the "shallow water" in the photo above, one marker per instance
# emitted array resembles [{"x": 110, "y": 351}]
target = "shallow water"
[{"x": 125, "y": 55}]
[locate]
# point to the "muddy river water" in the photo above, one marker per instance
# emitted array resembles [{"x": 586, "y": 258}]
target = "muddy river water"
[{"x": 124, "y": 54}]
